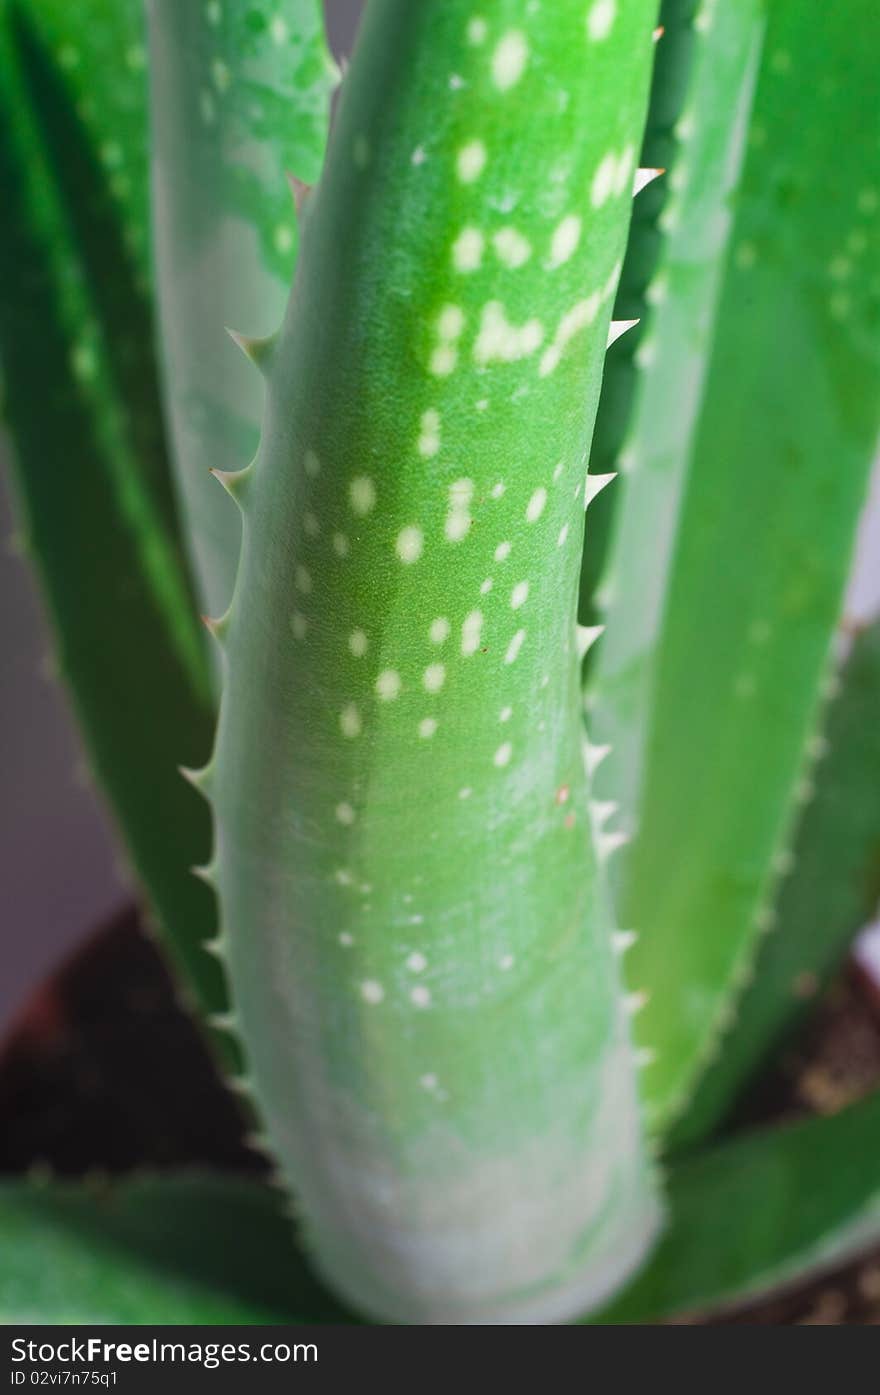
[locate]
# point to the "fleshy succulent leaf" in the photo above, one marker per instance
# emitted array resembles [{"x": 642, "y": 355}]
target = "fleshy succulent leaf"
[
  {"x": 652, "y": 391},
  {"x": 760, "y": 1213},
  {"x": 428, "y": 987},
  {"x": 673, "y": 84},
  {"x": 830, "y": 887},
  {"x": 189, "y": 1249},
  {"x": 712, "y": 717},
  {"x": 746, "y": 1219},
  {"x": 81, "y": 403},
  {"x": 240, "y": 98}
]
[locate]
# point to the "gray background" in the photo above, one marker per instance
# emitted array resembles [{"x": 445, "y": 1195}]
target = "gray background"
[{"x": 58, "y": 871}]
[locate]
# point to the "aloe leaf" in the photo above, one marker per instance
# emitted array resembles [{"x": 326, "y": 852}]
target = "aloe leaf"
[
  {"x": 684, "y": 73},
  {"x": 761, "y": 1213},
  {"x": 652, "y": 393},
  {"x": 413, "y": 913},
  {"x": 830, "y": 888},
  {"x": 98, "y": 54},
  {"x": 190, "y": 1249},
  {"x": 776, "y": 473},
  {"x": 240, "y": 100},
  {"x": 747, "y": 1218},
  {"x": 81, "y": 403}
]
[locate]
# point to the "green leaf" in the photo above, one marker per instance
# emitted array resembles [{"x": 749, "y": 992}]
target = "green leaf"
[
  {"x": 776, "y": 473},
  {"x": 747, "y": 1218},
  {"x": 709, "y": 69},
  {"x": 652, "y": 391},
  {"x": 191, "y": 1249},
  {"x": 830, "y": 888},
  {"x": 413, "y": 910},
  {"x": 82, "y": 406},
  {"x": 762, "y": 1212},
  {"x": 240, "y": 100}
]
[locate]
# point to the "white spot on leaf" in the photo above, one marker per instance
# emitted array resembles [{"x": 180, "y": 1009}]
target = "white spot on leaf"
[
  {"x": 565, "y": 239},
  {"x": 535, "y": 506},
  {"x": 511, "y": 247},
  {"x": 470, "y": 161},
  {"x": 509, "y": 60},
  {"x": 603, "y": 180},
  {"x": 350, "y": 721},
  {"x": 434, "y": 677},
  {"x": 409, "y": 544},
  {"x": 443, "y": 360},
  {"x": 600, "y": 18},
  {"x": 362, "y": 494},
  {"x": 470, "y": 632},
  {"x": 388, "y": 685},
  {"x": 467, "y": 250},
  {"x": 499, "y": 340},
  {"x": 514, "y": 647}
]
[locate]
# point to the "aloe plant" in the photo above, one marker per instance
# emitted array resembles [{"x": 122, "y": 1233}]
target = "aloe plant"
[{"x": 420, "y": 774}]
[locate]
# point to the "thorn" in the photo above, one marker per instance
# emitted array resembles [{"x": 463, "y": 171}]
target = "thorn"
[
  {"x": 622, "y": 940},
  {"x": 216, "y": 627},
  {"x": 240, "y": 1085},
  {"x": 593, "y": 757},
  {"x": 259, "y": 351},
  {"x": 744, "y": 975},
  {"x": 586, "y": 637},
  {"x": 765, "y": 919},
  {"x": 783, "y": 862},
  {"x": 199, "y": 779},
  {"x": 608, "y": 843},
  {"x": 233, "y": 481},
  {"x": 594, "y": 485},
  {"x": 223, "y": 1021},
  {"x": 616, "y": 329},
  {"x": 832, "y": 687},
  {"x": 645, "y": 176},
  {"x": 205, "y": 873},
  {"x": 217, "y": 947},
  {"x": 818, "y": 747},
  {"x": 152, "y": 928},
  {"x": 259, "y": 1142},
  {"x": 602, "y": 809},
  {"x": 658, "y": 33},
  {"x": 301, "y": 192},
  {"x": 645, "y": 1057}
]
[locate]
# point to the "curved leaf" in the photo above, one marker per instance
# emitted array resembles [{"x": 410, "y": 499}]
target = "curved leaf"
[
  {"x": 81, "y": 402},
  {"x": 765, "y": 1211}
]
